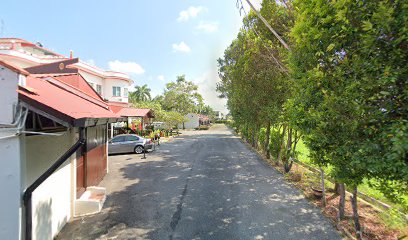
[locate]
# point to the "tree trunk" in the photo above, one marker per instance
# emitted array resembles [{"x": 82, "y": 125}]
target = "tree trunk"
[
  {"x": 342, "y": 201},
  {"x": 282, "y": 143},
  {"x": 323, "y": 188},
  {"x": 289, "y": 144},
  {"x": 253, "y": 137},
  {"x": 336, "y": 187},
  {"x": 353, "y": 198},
  {"x": 297, "y": 137},
  {"x": 268, "y": 136},
  {"x": 257, "y": 128}
]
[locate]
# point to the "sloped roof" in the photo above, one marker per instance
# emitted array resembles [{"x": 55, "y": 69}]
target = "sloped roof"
[
  {"x": 77, "y": 81},
  {"x": 14, "y": 68},
  {"x": 65, "y": 102},
  {"x": 132, "y": 112}
]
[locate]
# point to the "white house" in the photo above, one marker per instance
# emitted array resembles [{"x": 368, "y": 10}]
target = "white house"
[
  {"x": 53, "y": 143},
  {"x": 112, "y": 86},
  {"x": 193, "y": 121}
]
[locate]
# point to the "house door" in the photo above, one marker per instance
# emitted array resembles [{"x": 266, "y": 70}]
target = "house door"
[
  {"x": 96, "y": 157},
  {"x": 80, "y": 173}
]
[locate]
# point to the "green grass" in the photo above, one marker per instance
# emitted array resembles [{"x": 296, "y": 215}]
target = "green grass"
[{"x": 303, "y": 156}]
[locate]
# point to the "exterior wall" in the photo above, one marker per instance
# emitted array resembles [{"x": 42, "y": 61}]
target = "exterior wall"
[
  {"x": 10, "y": 165},
  {"x": 52, "y": 200},
  {"x": 95, "y": 80},
  {"x": 8, "y": 94},
  {"x": 10, "y": 193},
  {"x": 193, "y": 121},
  {"x": 109, "y": 83}
]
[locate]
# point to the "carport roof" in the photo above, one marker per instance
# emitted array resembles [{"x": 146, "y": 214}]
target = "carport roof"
[{"x": 133, "y": 112}]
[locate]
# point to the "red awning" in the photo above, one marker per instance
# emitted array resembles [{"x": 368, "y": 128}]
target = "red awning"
[{"x": 65, "y": 102}]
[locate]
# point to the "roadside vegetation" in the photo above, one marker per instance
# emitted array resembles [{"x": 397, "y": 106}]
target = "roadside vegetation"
[
  {"x": 330, "y": 91},
  {"x": 178, "y": 99}
]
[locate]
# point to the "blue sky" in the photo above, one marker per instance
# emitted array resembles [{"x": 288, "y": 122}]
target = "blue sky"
[{"x": 153, "y": 41}]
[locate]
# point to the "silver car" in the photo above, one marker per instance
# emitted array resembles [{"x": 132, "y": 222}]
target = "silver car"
[{"x": 126, "y": 143}]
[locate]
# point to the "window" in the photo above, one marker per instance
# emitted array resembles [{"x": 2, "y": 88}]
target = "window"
[
  {"x": 92, "y": 84},
  {"x": 116, "y": 91},
  {"x": 99, "y": 89},
  {"x": 132, "y": 138},
  {"x": 125, "y": 92},
  {"x": 118, "y": 139}
]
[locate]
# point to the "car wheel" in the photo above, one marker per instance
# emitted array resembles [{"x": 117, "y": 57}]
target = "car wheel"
[{"x": 139, "y": 149}]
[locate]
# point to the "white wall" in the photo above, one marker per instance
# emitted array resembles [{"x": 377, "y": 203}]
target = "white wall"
[
  {"x": 10, "y": 193},
  {"x": 52, "y": 200},
  {"x": 95, "y": 80},
  {"x": 109, "y": 83},
  {"x": 193, "y": 121},
  {"x": 8, "y": 94},
  {"x": 10, "y": 174}
]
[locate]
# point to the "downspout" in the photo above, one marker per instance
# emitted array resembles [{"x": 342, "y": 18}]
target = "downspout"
[{"x": 28, "y": 192}]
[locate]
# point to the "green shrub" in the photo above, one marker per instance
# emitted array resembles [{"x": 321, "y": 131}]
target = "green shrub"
[
  {"x": 202, "y": 127},
  {"x": 262, "y": 136},
  {"x": 274, "y": 144}
]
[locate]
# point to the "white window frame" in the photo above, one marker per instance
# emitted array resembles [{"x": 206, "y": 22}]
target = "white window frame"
[
  {"x": 125, "y": 92},
  {"x": 116, "y": 91},
  {"x": 99, "y": 89}
]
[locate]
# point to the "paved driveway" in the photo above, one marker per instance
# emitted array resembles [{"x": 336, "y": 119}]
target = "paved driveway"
[{"x": 202, "y": 185}]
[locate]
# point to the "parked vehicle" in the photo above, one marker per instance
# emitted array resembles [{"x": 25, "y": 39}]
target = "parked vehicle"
[{"x": 126, "y": 143}]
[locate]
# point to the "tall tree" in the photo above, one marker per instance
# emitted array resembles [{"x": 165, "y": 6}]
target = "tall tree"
[
  {"x": 350, "y": 65},
  {"x": 181, "y": 96},
  {"x": 141, "y": 94}
]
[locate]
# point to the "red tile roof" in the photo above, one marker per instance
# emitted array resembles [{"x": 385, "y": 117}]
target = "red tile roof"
[
  {"x": 64, "y": 101},
  {"x": 77, "y": 81},
  {"x": 132, "y": 112}
]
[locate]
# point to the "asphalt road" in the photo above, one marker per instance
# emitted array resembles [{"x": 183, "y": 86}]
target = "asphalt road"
[{"x": 201, "y": 185}]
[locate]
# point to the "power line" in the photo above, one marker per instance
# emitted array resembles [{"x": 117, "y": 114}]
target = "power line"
[
  {"x": 262, "y": 40},
  {"x": 267, "y": 25}
]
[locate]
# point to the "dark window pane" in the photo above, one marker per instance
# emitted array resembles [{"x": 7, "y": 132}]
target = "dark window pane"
[
  {"x": 119, "y": 139},
  {"x": 131, "y": 138}
]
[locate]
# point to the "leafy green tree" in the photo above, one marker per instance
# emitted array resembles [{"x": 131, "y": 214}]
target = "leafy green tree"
[
  {"x": 141, "y": 94},
  {"x": 181, "y": 96},
  {"x": 253, "y": 76},
  {"x": 350, "y": 67}
]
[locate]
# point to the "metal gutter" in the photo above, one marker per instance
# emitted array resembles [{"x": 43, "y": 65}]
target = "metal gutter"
[{"x": 28, "y": 192}]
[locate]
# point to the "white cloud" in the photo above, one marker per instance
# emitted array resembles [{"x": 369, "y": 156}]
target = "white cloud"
[
  {"x": 207, "y": 27},
  {"x": 190, "y": 12},
  {"x": 207, "y": 84},
  {"x": 90, "y": 62},
  {"x": 126, "y": 67},
  {"x": 181, "y": 47},
  {"x": 161, "y": 78}
]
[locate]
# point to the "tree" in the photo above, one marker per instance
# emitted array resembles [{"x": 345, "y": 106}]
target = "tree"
[
  {"x": 181, "y": 96},
  {"x": 349, "y": 66},
  {"x": 141, "y": 94},
  {"x": 253, "y": 77}
]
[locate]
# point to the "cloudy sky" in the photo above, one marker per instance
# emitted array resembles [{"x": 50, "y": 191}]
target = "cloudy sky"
[{"x": 152, "y": 41}]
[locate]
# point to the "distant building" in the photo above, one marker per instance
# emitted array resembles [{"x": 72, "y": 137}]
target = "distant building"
[
  {"x": 219, "y": 115},
  {"x": 194, "y": 121}
]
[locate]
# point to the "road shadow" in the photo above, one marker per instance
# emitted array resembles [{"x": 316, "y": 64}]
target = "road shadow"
[{"x": 200, "y": 186}]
